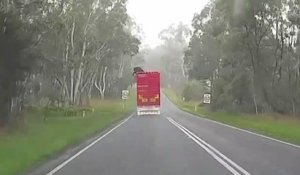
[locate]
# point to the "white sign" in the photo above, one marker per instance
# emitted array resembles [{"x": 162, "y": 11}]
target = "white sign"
[
  {"x": 125, "y": 94},
  {"x": 206, "y": 99}
]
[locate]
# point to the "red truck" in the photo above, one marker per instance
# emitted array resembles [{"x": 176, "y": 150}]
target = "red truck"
[{"x": 148, "y": 93}]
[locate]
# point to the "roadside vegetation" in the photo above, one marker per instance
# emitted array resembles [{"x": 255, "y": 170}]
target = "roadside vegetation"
[
  {"x": 56, "y": 57},
  {"x": 246, "y": 55},
  {"x": 45, "y": 137},
  {"x": 53, "y": 55},
  {"x": 249, "y": 51},
  {"x": 281, "y": 127}
]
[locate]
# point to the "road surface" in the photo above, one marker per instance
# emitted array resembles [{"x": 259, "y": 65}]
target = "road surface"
[{"x": 177, "y": 143}]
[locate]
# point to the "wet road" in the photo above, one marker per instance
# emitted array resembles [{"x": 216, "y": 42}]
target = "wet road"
[{"x": 177, "y": 143}]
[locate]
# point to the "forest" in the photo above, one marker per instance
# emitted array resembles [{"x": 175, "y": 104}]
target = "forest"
[
  {"x": 250, "y": 53},
  {"x": 63, "y": 52}
]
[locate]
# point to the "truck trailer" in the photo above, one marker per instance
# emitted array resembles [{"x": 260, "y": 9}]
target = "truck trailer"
[{"x": 148, "y": 93}]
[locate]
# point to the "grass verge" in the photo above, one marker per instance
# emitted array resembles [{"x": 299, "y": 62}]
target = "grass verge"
[
  {"x": 279, "y": 127},
  {"x": 41, "y": 139}
]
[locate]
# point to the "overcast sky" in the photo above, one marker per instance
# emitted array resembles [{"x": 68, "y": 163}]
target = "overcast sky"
[{"x": 155, "y": 15}]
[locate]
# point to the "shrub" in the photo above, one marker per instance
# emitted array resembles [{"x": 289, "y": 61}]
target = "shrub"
[{"x": 194, "y": 90}]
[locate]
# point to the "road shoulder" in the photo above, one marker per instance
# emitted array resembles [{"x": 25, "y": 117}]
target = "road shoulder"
[{"x": 48, "y": 165}]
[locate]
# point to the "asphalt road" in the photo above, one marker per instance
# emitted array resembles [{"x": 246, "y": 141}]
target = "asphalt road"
[{"x": 177, "y": 143}]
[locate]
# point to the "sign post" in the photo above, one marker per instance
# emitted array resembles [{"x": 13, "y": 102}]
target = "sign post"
[
  {"x": 206, "y": 99},
  {"x": 125, "y": 94}
]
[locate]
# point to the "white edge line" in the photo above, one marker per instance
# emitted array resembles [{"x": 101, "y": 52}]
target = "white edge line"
[
  {"x": 55, "y": 170},
  {"x": 215, "y": 150},
  {"x": 221, "y": 161},
  {"x": 243, "y": 130}
]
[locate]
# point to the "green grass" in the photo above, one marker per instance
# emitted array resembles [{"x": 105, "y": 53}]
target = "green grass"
[
  {"x": 279, "y": 127},
  {"x": 41, "y": 139}
]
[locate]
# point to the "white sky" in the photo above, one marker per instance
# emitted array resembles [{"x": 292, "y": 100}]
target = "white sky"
[{"x": 152, "y": 16}]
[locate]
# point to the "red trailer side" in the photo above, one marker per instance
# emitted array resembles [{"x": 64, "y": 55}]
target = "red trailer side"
[{"x": 148, "y": 93}]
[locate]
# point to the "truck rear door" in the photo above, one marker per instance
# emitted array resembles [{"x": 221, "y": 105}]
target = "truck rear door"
[{"x": 148, "y": 93}]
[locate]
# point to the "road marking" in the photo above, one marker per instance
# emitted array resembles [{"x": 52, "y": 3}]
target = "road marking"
[
  {"x": 244, "y": 130},
  {"x": 239, "y": 129},
  {"x": 217, "y": 155},
  {"x": 216, "y": 151},
  {"x": 55, "y": 170}
]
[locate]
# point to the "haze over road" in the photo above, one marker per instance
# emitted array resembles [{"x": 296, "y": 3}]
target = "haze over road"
[{"x": 176, "y": 143}]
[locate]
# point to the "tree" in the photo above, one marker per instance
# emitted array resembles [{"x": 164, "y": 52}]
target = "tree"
[
  {"x": 248, "y": 50},
  {"x": 168, "y": 57},
  {"x": 75, "y": 45},
  {"x": 88, "y": 46},
  {"x": 16, "y": 61}
]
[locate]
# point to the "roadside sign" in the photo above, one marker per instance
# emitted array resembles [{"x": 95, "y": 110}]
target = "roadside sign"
[
  {"x": 206, "y": 99},
  {"x": 125, "y": 94}
]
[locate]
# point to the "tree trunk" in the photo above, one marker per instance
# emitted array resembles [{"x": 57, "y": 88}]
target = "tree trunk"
[
  {"x": 101, "y": 85},
  {"x": 293, "y": 106},
  {"x": 254, "y": 96},
  {"x": 255, "y": 103},
  {"x": 72, "y": 86},
  {"x": 78, "y": 81},
  {"x": 104, "y": 83},
  {"x": 89, "y": 93},
  {"x": 66, "y": 94},
  {"x": 121, "y": 67},
  {"x": 102, "y": 95},
  {"x": 4, "y": 112},
  {"x": 72, "y": 37},
  {"x": 91, "y": 84}
]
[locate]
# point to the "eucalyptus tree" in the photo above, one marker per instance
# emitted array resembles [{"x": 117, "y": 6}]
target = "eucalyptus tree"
[{"x": 249, "y": 50}]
